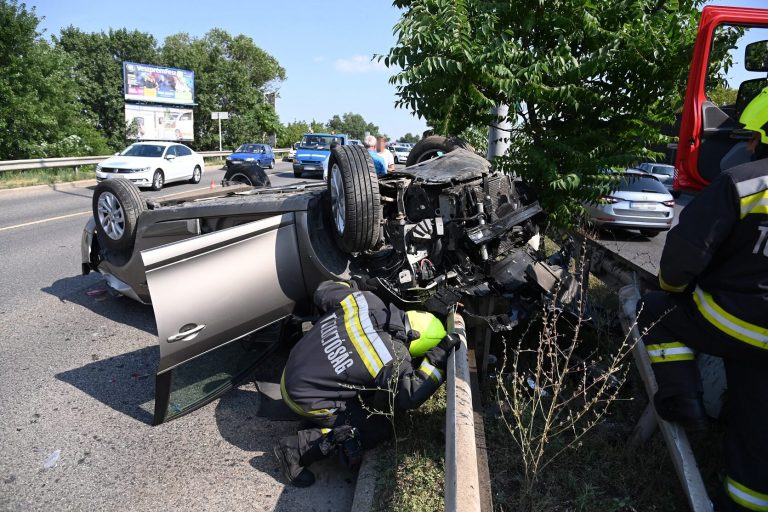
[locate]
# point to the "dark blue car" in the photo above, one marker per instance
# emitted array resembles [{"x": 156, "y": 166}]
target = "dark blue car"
[{"x": 262, "y": 154}]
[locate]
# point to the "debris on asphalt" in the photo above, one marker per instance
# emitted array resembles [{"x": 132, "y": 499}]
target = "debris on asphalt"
[
  {"x": 52, "y": 459},
  {"x": 96, "y": 292}
]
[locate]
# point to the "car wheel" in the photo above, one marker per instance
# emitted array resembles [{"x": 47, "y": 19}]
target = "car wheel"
[
  {"x": 297, "y": 174},
  {"x": 158, "y": 180},
  {"x": 272, "y": 164},
  {"x": 252, "y": 175},
  {"x": 117, "y": 205},
  {"x": 197, "y": 174},
  {"x": 353, "y": 189},
  {"x": 433, "y": 146},
  {"x": 650, "y": 233}
]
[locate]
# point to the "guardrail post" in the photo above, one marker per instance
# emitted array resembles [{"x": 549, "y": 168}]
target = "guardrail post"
[{"x": 462, "y": 486}]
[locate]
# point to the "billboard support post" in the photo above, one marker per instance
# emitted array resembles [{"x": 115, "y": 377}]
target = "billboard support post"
[{"x": 220, "y": 116}]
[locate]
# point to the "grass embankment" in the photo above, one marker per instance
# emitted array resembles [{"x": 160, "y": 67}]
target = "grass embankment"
[
  {"x": 597, "y": 473},
  {"x": 17, "y": 179}
]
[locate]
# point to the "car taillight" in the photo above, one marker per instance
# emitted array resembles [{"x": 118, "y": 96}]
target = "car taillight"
[
  {"x": 670, "y": 203},
  {"x": 609, "y": 200}
]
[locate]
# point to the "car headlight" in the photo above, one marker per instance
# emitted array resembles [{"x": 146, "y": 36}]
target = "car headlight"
[
  {"x": 98, "y": 167},
  {"x": 229, "y": 159},
  {"x": 141, "y": 169}
]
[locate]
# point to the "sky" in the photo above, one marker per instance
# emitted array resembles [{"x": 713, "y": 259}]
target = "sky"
[{"x": 325, "y": 47}]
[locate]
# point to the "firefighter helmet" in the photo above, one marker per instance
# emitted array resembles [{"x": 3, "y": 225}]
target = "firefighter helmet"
[
  {"x": 755, "y": 115},
  {"x": 425, "y": 332}
]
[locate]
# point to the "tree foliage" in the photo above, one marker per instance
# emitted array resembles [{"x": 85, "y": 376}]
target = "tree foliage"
[
  {"x": 588, "y": 81},
  {"x": 410, "y": 138},
  {"x": 40, "y": 115},
  {"x": 291, "y": 133},
  {"x": 352, "y": 124}
]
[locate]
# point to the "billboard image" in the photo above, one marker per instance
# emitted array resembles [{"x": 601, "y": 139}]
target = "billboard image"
[
  {"x": 144, "y": 82},
  {"x": 151, "y": 122}
]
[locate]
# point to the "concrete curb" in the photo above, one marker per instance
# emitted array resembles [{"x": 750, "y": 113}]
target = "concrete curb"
[{"x": 367, "y": 477}]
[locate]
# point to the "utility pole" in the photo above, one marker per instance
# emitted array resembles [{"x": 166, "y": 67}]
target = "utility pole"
[{"x": 498, "y": 130}]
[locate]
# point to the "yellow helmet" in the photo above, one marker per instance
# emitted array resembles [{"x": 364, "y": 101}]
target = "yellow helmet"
[
  {"x": 755, "y": 115},
  {"x": 427, "y": 329}
]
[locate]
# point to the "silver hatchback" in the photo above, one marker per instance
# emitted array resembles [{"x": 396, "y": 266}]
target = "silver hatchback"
[{"x": 640, "y": 202}]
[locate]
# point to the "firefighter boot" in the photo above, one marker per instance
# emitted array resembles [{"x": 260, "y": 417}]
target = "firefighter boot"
[
  {"x": 687, "y": 410},
  {"x": 287, "y": 453}
]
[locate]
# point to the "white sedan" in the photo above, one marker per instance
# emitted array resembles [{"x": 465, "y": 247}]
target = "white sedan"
[{"x": 153, "y": 164}]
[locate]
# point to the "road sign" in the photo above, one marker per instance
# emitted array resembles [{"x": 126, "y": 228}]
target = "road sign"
[{"x": 219, "y": 115}]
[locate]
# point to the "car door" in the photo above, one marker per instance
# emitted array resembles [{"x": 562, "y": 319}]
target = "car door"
[
  {"x": 169, "y": 165},
  {"x": 186, "y": 161},
  {"x": 210, "y": 294},
  {"x": 264, "y": 157}
]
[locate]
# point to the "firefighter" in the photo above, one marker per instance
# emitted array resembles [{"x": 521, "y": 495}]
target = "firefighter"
[
  {"x": 360, "y": 361},
  {"x": 714, "y": 273}
]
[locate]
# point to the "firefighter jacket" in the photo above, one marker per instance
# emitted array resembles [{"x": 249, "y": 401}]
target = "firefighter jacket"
[
  {"x": 358, "y": 348},
  {"x": 718, "y": 252}
]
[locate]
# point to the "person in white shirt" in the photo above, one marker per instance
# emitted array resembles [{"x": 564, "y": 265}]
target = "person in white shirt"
[{"x": 381, "y": 149}]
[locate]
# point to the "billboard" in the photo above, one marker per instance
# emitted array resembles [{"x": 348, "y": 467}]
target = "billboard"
[
  {"x": 155, "y": 122},
  {"x": 156, "y": 84}
]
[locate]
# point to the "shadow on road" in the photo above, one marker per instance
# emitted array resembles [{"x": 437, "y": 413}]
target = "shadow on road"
[
  {"x": 125, "y": 382},
  {"x": 91, "y": 293},
  {"x": 621, "y": 235}
]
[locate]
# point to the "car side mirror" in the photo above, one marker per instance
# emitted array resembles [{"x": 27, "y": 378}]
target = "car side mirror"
[
  {"x": 756, "y": 56},
  {"x": 170, "y": 157}
]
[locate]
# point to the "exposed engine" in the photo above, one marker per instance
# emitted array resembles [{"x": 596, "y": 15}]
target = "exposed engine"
[{"x": 452, "y": 228}]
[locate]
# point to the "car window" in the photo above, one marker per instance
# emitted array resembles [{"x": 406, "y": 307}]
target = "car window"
[
  {"x": 171, "y": 151},
  {"x": 145, "y": 150},
  {"x": 666, "y": 170},
  {"x": 249, "y": 148},
  {"x": 183, "y": 151},
  {"x": 631, "y": 183}
]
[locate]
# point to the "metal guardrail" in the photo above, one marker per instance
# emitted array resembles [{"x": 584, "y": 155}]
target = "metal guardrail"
[
  {"x": 462, "y": 482},
  {"x": 78, "y": 161}
]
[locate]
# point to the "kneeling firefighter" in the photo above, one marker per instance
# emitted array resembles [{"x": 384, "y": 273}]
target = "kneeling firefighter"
[
  {"x": 714, "y": 273},
  {"x": 361, "y": 356}
]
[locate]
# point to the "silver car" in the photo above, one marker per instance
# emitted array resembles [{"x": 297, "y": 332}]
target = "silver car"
[
  {"x": 221, "y": 270},
  {"x": 640, "y": 202},
  {"x": 400, "y": 153},
  {"x": 665, "y": 173}
]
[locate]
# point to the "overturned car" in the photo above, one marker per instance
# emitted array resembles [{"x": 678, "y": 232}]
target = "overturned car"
[{"x": 219, "y": 269}]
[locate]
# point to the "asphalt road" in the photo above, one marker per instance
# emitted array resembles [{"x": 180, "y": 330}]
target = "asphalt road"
[{"x": 78, "y": 379}]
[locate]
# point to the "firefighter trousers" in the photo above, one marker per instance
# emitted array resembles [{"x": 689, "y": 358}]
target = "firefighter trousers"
[
  {"x": 373, "y": 429},
  {"x": 673, "y": 331}
]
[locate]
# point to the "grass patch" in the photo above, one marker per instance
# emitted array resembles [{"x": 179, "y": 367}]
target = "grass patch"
[
  {"x": 411, "y": 468},
  {"x": 17, "y": 179}
]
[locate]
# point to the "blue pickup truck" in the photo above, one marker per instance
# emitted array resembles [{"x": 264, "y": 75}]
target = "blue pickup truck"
[{"x": 312, "y": 151}]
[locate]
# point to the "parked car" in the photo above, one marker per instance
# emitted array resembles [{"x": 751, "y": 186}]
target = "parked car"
[
  {"x": 400, "y": 152},
  {"x": 261, "y": 154},
  {"x": 153, "y": 164},
  {"x": 313, "y": 150},
  {"x": 640, "y": 201},
  {"x": 354, "y": 142},
  {"x": 220, "y": 271},
  {"x": 663, "y": 172}
]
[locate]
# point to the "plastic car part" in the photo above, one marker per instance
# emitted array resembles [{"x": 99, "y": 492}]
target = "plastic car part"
[
  {"x": 117, "y": 205},
  {"x": 250, "y": 174},
  {"x": 355, "y": 200}
]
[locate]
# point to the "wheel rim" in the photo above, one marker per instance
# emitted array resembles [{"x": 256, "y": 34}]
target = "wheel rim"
[
  {"x": 158, "y": 180},
  {"x": 241, "y": 178},
  {"x": 196, "y": 175},
  {"x": 429, "y": 155},
  {"x": 111, "y": 215},
  {"x": 337, "y": 198}
]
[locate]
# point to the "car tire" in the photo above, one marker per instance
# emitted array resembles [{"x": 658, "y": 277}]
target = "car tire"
[
  {"x": 252, "y": 175},
  {"x": 272, "y": 164},
  {"x": 117, "y": 205},
  {"x": 430, "y": 147},
  {"x": 650, "y": 233},
  {"x": 197, "y": 175},
  {"x": 158, "y": 180},
  {"x": 353, "y": 189}
]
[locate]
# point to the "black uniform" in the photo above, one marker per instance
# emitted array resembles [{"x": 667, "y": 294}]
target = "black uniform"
[
  {"x": 355, "y": 358},
  {"x": 714, "y": 270}
]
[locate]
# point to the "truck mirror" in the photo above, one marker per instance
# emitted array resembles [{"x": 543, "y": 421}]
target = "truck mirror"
[{"x": 756, "y": 56}]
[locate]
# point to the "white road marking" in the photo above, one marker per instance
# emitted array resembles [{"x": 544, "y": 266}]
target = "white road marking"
[{"x": 45, "y": 220}]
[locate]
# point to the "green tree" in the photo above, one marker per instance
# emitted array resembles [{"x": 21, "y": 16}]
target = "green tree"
[
  {"x": 317, "y": 127},
  {"x": 98, "y": 70},
  {"x": 352, "y": 124},
  {"x": 291, "y": 133},
  {"x": 589, "y": 81},
  {"x": 410, "y": 138},
  {"x": 232, "y": 75},
  {"x": 40, "y": 112},
  {"x": 722, "y": 95}
]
